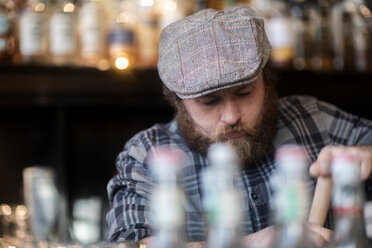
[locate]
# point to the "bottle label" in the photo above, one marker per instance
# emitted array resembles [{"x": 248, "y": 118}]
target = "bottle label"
[
  {"x": 122, "y": 36},
  {"x": 32, "y": 34},
  {"x": 62, "y": 34},
  {"x": 4, "y": 24},
  {"x": 348, "y": 211}
]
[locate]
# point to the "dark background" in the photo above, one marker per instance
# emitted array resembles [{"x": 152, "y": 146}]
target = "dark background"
[{"x": 77, "y": 120}]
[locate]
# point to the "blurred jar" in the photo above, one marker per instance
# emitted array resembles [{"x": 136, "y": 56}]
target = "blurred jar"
[
  {"x": 43, "y": 202},
  {"x": 63, "y": 33},
  {"x": 8, "y": 47},
  {"x": 122, "y": 41},
  {"x": 279, "y": 32},
  {"x": 33, "y": 32},
  {"x": 300, "y": 11},
  {"x": 93, "y": 33},
  {"x": 322, "y": 47},
  {"x": 147, "y": 33}
]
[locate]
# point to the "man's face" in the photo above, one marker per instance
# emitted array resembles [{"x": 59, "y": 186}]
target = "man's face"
[{"x": 244, "y": 116}]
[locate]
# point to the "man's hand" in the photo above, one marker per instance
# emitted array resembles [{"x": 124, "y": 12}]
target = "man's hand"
[
  {"x": 260, "y": 239},
  {"x": 318, "y": 235},
  {"x": 363, "y": 155}
]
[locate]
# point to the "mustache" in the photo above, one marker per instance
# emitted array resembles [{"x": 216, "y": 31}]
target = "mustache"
[{"x": 223, "y": 135}]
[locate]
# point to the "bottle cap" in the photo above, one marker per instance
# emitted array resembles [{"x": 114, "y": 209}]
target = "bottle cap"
[
  {"x": 345, "y": 169},
  {"x": 222, "y": 156},
  {"x": 291, "y": 158}
]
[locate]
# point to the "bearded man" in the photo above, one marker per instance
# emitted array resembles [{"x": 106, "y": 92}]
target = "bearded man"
[{"x": 215, "y": 74}]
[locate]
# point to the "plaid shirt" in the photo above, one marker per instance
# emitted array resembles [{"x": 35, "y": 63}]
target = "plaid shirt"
[{"x": 302, "y": 120}]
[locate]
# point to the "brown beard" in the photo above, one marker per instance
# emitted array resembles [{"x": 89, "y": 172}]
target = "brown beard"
[{"x": 254, "y": 143}]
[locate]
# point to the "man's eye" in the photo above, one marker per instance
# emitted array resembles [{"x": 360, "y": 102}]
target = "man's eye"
[
  {"x": 243, "y": 93},
  {"x": 209, "y": 102}
]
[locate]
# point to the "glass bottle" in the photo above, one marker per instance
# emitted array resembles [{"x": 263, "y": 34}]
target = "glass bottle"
[
  {"x": 322, "y": 44},
  {"x": 166, "y": 202},
  {"x": 33, "y": 32},
  {"x": 63, "y": 33},
  {"x": 361, "y": 16},
  {"x": 7, "y": 30},
  {"x": 93, "y": 33},
  {"x": 300, "y": 11},
  {"x": 279, "y": 32},
  {"x": 347, "y": 204},
  {"x": 290, "y": 198},
  {"x": 222, "y": 199},
  {"x": 337, "y": 24},
  {"x": 147, "y": 32},
  {"x": 351, "y": 36},
  {"x": 123, "y": 48}
]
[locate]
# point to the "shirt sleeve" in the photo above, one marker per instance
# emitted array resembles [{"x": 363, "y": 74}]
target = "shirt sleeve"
[
  {"x": 345, "y": 128},
  {"x": 128, "y": 192}
]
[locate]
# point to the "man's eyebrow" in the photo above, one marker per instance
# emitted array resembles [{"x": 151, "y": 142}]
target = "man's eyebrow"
[
  {"x": 208, "y": 96},
  {"x": 245, "y": 86}
]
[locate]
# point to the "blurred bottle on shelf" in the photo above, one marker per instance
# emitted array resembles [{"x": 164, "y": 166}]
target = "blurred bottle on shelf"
[
  {"x": 322, "y": 44},
  {"x": 147, "y": 32},
  {"x": 171, "y": 11},
  {"x": 223, "y": 200},
  {"x": 63, "y": 33},
  {"x": 93, "y": 33},
  {"x": 166, "y": 201},
  {"x": 353, "y": 36},
  {"x": 301, "y": 28},
  {"x": 291, "y": 198},
  {"x": 8, "y": 41},
  {"x": 33, "y": 32},
  {"x": 123, "y": 48},
  {"x": 279, "y": 32},
  {"x": 42, "y": 201},
  {"x": 341, "y": 34},
  {"x": 347, "y": 202}
]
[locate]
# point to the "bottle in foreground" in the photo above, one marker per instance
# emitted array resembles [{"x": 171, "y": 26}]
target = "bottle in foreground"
[
  {"x": 290, "y": 202},
  {"x": 42, "y": 201},
  {"x": 222, "y": 199},
  {"x": 347, "y": 201},
  {"x": 166, "y": 202}
]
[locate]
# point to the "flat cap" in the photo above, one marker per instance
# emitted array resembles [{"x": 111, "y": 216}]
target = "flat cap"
[{"x": 212, "y": 50}]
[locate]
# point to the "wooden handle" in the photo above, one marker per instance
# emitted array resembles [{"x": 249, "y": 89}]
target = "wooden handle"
[{"x": 321, "y": 201}]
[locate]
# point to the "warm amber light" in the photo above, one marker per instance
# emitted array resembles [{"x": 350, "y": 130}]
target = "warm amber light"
[
  {"x": 21, "y": 211},
  {"x": 39, "y": 7},
  {"x": 103, "y": 65},
  {"x": 122, "y": 18},
  {"x": 70, "y": 7},
  {"x": 366, "y": 12},
  {"x": 121, "y": 63},
  {"x": 5, "y": 209}
]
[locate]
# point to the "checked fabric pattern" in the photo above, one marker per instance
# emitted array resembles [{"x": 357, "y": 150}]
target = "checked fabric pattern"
[{"x": 302, "y": 120}]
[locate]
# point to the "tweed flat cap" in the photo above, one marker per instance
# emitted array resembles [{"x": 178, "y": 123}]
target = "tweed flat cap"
[{"x": 211, "y": 50}]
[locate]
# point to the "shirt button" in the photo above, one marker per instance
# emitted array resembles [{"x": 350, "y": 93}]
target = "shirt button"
[{"x": 254, "y": 196}]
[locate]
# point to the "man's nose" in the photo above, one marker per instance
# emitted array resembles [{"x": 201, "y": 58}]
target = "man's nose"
[{"x": 231, "y": 114}]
